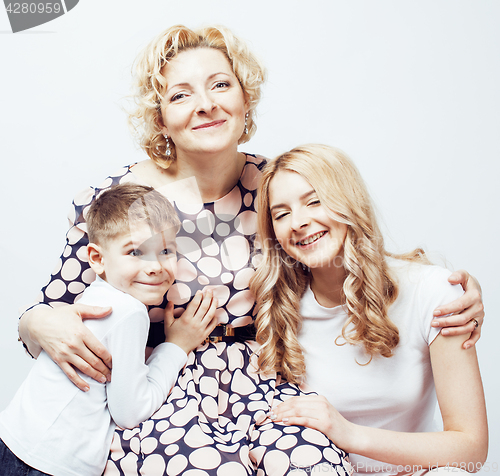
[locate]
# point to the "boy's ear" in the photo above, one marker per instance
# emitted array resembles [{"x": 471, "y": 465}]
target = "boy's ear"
[{"x": 96, "y": 259}]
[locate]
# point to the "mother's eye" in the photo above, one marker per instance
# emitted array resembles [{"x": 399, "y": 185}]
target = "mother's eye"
[{"x": 177, "y": 96}]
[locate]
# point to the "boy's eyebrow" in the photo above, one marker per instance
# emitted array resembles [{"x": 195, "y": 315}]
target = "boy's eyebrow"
[{"x": 302, "y": 197}]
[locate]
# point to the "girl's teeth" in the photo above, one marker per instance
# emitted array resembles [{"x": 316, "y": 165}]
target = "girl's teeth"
[{"x": 312, "y": 238}]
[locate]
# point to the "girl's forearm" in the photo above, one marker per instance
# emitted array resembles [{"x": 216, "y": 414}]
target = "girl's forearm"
[{"x": 445, "y": 448}]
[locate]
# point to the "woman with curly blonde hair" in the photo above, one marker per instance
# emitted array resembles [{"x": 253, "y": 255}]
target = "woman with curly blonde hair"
[{"x": 337, "y": 311}]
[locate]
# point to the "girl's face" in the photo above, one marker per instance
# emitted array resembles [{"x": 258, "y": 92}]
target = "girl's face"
[
  {"x": 304, "y": 228},
  {"x": 203, "y": 108}
]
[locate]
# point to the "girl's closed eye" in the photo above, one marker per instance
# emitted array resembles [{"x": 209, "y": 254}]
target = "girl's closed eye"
[{"x": 280, "y": 215}]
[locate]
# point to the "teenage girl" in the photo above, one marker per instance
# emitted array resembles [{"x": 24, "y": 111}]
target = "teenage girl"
[{"x": 354, "y": 321}]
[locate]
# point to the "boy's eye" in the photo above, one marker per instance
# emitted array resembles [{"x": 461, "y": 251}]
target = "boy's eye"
[
  {"x": 167, "y": 251},
  {"x": 135, "y": 253}
]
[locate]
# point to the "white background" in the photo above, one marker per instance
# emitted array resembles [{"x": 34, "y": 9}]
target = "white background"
[{"x": 411, "y": 90}]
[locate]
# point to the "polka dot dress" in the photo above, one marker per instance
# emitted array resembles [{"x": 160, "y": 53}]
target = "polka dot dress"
[{"x": 214, "y": 421}]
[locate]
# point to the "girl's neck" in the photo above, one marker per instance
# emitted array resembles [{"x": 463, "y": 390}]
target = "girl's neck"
[{"x": 327, "y": 285}]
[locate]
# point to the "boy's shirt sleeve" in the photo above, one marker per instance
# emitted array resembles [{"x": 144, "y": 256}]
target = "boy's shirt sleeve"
[{"x": 138, "y": 389}]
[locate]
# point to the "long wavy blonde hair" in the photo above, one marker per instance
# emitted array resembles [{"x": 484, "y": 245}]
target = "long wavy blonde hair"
[
  {"x": 279, "y": 283},
  {"x": 149, "y": 82}
]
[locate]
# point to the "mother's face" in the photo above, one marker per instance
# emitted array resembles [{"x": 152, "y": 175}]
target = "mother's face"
[{"x": 203, "y": 107}]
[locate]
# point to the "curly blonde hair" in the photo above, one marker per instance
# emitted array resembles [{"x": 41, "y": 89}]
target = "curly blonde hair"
[
  {"x": 150, "y": 84},
  {"x": 279, "y": 283}
]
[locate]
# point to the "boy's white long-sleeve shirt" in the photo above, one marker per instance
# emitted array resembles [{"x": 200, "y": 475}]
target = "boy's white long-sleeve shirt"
[{"x": 56, "y": 428}]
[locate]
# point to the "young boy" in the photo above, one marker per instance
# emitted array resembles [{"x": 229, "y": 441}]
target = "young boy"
[{"x": 54, "y": 427}]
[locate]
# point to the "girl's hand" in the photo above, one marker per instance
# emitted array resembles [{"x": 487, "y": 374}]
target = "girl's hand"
[
  {"x": 318, "y": 413},
  {"x": 60, "y": 332},
  {"x": 468, "y": 310},
  {"x": 195, "y": 324}
]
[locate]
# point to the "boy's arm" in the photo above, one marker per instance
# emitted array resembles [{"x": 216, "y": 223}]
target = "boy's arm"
[{"x": 138, "y": 389}]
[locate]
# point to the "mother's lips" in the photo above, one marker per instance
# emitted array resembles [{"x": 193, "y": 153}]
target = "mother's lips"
[{"x": 209, "y": 124}]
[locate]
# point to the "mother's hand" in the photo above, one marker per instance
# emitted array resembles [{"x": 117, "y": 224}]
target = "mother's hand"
[
  {"x": 68, "y": 342},
  {"x": 467, "y": 310},
  {"x": 318, "y": 413}
]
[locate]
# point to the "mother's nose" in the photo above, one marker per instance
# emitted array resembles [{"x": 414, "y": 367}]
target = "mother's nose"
[{"x": 204, "y": 103}]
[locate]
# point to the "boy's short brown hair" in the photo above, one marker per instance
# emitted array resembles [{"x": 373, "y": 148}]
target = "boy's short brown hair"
[{"x": 126, "y": 205}]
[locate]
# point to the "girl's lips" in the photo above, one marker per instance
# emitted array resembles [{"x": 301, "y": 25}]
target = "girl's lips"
[
  {"x": 208, "y": 124},
  {"x": 314, "y": 237}
]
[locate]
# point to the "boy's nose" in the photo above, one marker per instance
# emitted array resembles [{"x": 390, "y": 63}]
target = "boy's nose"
[{"x": 153, "y": 266}]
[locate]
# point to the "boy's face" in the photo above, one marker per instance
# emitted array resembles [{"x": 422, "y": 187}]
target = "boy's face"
[{"x": 141, "y": 263}]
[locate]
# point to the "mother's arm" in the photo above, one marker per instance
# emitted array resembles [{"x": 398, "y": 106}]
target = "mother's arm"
[
  {"x": 464, "y": 312},
  {"x": 463, "y": 443},
  {"x": 60, "y": 332}
]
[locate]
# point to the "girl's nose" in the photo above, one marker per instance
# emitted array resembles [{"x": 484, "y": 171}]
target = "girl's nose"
[{"x": 299, "y": 221}]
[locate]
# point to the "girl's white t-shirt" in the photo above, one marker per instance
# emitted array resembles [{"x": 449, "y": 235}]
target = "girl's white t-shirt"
[{"x": 395, "y": 393}]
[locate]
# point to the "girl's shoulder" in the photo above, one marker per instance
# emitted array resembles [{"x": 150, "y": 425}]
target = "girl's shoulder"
[{"x": 425, "y": 282}]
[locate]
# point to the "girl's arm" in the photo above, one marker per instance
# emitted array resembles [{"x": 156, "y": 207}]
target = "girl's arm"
[
  {"x": 468, "y": 308},
  {"x": 463, "y": 443}
]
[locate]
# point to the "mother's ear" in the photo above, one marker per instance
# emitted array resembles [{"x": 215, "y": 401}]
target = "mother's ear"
[{"x": 96, "y": 258}]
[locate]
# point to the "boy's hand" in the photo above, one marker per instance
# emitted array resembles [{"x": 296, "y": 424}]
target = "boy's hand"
[{"x": 194, "y": 325}]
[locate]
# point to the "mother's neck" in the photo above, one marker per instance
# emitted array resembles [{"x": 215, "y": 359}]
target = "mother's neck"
[
  {"x": 215, "y": 175},
  {"x": 207, "y": 177}
]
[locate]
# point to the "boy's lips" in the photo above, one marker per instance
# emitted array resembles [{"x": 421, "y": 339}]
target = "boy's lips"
[{"x": 209, "y": 124}]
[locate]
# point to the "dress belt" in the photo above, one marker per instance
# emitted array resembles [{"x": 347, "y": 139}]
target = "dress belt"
[{"x": 224, "y": 333}]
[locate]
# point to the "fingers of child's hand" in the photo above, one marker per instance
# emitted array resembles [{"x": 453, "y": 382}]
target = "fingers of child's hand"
[
  {"x": 205, "y": 304},
  {"x": 210, "y": 312},
  {"x": 169, "y": 318},
  {"x": 193, "y": 306}
]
